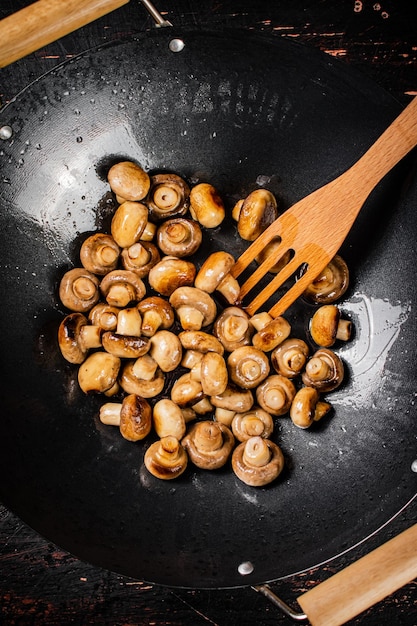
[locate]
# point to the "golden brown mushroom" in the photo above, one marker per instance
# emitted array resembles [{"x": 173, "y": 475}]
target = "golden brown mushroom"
[
  {"x": 128, "y": 223},
  {"x": 213, "y": 373},
  {"x": 232, "y": 328},
  {"x": 99, "y": 254},
  {"x": 104, "y": 316},
  {"x": 133, "y": 416},
  {"x": 98, "y": 373},
  {"x": 200, "y": 341},
  {"x": 145, "y": 387},
  {"x": 157, "y": 313},
  {"x": 209, "y": 444},
  {"x": 186, "y": 392},
  {"x": 76, "y": 337},
  {"x": 307, "y": 407},
  {"x": 206, "y": 206},
  {"x": 326, "y": 326},
  {"x": 275, "y": 394},
  {"x": 253, "y": 423},
  {"x": 78, "y": 290},
  {"x": 257, "y": 212},
  {"x": 248, "y": 366},
  {"x": 140, "y": 257},
  {"x": 122, "y": 287},
  {"x": 169, "y": 196},
  {"x": 290, "y": 357},
  {"x": 179, "y": 237},
  {"x": 166, "y": 350},
  {"x": 195, "y": 308},
  {"x": 324, "y": 371},
  {"x": 126, "y": 341},
  {"x": 214, "y": 276},
  {"x": 331, "y": 284},
  {"x": 270, "y": 335},
  {"x": 257, "y": 461},
  {"x": 166, "y": 459},
  {"x": 170, "y": 273},
  {"x": 233, "y": 399},
  {"x": 128, "y": 180},
  {"x": 168, "y": 419}
]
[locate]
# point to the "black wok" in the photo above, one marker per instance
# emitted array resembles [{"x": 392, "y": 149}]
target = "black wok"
[{"x": 237, "y": 111}]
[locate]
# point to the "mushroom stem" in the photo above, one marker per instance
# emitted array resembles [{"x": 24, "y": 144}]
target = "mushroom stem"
[
  {"x": 129, "y": 322},
  {"x": 256, "y": 452},
  {"x": 318, "y": 369},
  {"x": 110, "y": 413},
  {"x": 344, "y": 329},
  {"x": 208, "y": 436},
  {"x": 90, "y": 336},
  {"x": 190, "y": 317},
  {"x": 275, "y": 398},
  {"x": 144, "y": 367}
]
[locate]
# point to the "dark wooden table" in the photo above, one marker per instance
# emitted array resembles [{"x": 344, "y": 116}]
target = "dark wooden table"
[{"x": 41, "y": 584}]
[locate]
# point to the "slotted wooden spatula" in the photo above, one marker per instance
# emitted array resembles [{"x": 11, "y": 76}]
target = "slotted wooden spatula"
[{"x": 315, "y": 227}]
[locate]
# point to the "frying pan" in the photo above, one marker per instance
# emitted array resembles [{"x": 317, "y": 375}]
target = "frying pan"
[{"x": 239, "y": 111}]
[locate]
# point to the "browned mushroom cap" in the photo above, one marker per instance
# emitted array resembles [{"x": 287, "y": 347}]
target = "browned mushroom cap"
[
  {"x": 331, "y": 283},
  {"x": 133, "y": 416},
  {"x": 156, "y": 313},
  {"x": 307, "y": 407},
  {"x": 270, "y": 249},
  {"x": 253, "y": 423},
  {"x": 290, "y": 357},
  {"x": 271, "y": 335},
  {"x": 179, "y": 237},
  {"x": 166, "y": 459},
  {"x": 186, "y": 392},
  {"x": 99, "y": 254},
  {"x": 248, "y": 366},
  {"x": 275, "y": 394},
  {"x": 78, "y": 290},
  {"x": 232, "y": 328},
  {"x": 169, "y": 196},
  {"x": 233, "y": 399},
  {"x": 168, "y": 419},
  {"x": 324, "y": 371},
  {"x": 326, "y": 326},
  {"x": 214, "y": 275},
  {"x": 166, "y": 349},
  {"x": 147, "y": 388},
  {"x": 213, "y": 373},
  {"x": 140, "y": 257},
  {"x": 171, "y": 273},
  {"x": 257, "y": 212},
  {"x": 121, "y": 287},
  {"x": 128, "y": 223},
  {"x": 257, "y": 461},
  {"x": 200, "y": 341},
  {"x": 125, "y": 346},
  {"x": 104, "y": 315},
  {"x": 206, "y": 206},
  {"x": 76, "y": 337},
  {"x": 209, "y": 444},
  {"x": 128, "y": 180},
  {"x": 98, "y": 373},
  {"x": 195, "y": 308}
]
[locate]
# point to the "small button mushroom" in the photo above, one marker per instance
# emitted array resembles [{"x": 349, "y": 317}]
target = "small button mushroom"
[
  {"x": 145, "y": 367},
  {"x": 99, "y": 254},
  {"x": 209, "y": 444},
  {"x": 179, "y": 237},
  {"x": 232, "y": 328},
  {"x": 331, "y": 284},
  {"x": 133, "y": 416},
  {"x": 233, "y": 399},
  {"x": 168, "y": 419},
  {"x": 128, "y": 180},
  {"x": 170, "y": 273},
  {"x": 275, "y": 394},
  {"x": 213, "y": 373},
  {"x": 272, "y": 334},
  {"x": 253, "y": 423},
  {"x": 290, "y": 357},
  {"x": 128, "y": 223},
  {"x": 248, "y": 366},
  {"x": 147, "y": 388},
  {"x": 186, "y": 392},
  {"x": 156, "y": 314},
  {"x": 200, "y": 342},
  {"x": 98, "y": 373},
  {"x": 166, "y": 350},
  {"x": 104, "y": 316},
  {"x": 307, "y": 407},
  {"x": 214, "y": 275},
  {"x": 326, "y": 326},
  {"x": 140, "y": 257},
  {"x": 169, "y": 196},
  {"x": 195, "y": 308},
  {"x": 257, "y": 212},
  {"x": 122, "y": 287},
  {"x": 270, "y": 249},
  {"x": 126, "y": 341},
  {"x": 78, "y": 290},
  {"x": 257, "y": 461},
  {"x": 166, "y": 459},
  {"x": 324, "y": 371},
  {"x": 206, "y": 206},
  {"x": 76, "y": 337}
]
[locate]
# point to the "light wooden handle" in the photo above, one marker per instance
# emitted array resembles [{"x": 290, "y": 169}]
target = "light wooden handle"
[
  {"x": 45, "y": 21},
  {"x": 364, "y": 583}
]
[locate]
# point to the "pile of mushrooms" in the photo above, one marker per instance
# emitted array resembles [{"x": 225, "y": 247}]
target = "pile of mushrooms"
[{"x": 142, "y": 315}]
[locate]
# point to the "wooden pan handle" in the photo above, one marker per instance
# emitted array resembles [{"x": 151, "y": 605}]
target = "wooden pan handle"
[
  {"x": 45, "y": 21},
  {"x": 364, "y": 583}
]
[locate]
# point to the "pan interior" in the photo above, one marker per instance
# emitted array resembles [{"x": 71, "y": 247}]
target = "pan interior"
[{"x": 238, "y": 111}]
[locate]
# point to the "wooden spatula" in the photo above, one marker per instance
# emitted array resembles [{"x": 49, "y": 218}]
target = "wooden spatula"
[{"x": 315, "y": 227}]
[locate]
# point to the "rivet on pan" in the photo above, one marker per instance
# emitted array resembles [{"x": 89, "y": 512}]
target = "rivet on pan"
[
  {"x": 176, "y": 45},
  {"x": 414, "y": 466},
  {"x": 6, "y": 132},
  {"x": 245, "y": 568}
]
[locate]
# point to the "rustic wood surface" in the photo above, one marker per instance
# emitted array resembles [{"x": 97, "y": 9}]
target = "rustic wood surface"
[{"x": 39, "y": 583}]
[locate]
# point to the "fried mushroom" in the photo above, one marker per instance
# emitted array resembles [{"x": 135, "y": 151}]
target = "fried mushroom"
[
  {"x": 209, "y": 444},
  {"x": 157, "y": 313},
  {"x": 253, "y": 423},
  {"x": 170, "y": 273},
  {"x": 275, "y": 394},
  {"x": 180, "y": 237},
  {"x": 168, "y": 419},
  {"x": 232, "y": 328},
  {"x": 248, "y": 366},
  {"x": 98, "y": 373},
  {"x": 147, "y": 388},
  {"x": 290, "y": 357},
  {"x": 133, "y": 416},
  {"x": 206, "y": 205},
  {"x": 169, "y": 196},
  {"x": 307, "y": 407},
  {"x": 128, "y": 180},
  {"x": 99, "y": 254},
  {"x": 79, "y": 290},
  {"x": 324, "y": 371},
  {"x": 166, "y": 459},
  {"x": 214, "y": 276},
  {"x": 195, "y": 308},
  {"x": 257, "y": 212},
  {"x": 140, "y": 257},
  {"x": 326, "y": 326},
  {"x": 121, "y": 287},
  {"x": 76, "y": 337},
  {"x": 257, "y": 461},
  {"x": 331, "y": 284}
]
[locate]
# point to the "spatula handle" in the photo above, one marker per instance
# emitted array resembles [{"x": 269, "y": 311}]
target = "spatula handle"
[
  {"x": 364, "y": 583},
  {"x": 45, "y": 21}
]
